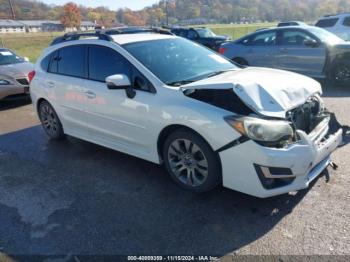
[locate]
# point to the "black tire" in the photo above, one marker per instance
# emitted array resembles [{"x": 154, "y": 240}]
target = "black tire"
[
  {"x": 341, "y": 73},
  {"x": 50, "y": 121},
  {"x": 202, "y": 177},
  {"x": 240, "y": 61}
]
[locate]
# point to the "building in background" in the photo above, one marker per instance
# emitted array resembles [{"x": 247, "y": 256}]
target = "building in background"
[
  {"x": 35, "y": 26},
  {"x": 11, "y": 26}
]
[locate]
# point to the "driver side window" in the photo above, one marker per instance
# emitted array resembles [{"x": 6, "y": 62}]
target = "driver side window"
[
  {"x": 104, "y": 62},
  {"x": 295, "y": 38}
]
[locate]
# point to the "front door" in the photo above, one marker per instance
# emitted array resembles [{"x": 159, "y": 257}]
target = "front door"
[
  {"x": 117, "y": 121},
  {"x": 295, "y": 55}
]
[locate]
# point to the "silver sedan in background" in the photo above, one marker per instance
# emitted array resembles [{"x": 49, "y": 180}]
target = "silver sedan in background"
[
  {"x": 14, "y": 72},
  {"x": 306, "y": 50}
]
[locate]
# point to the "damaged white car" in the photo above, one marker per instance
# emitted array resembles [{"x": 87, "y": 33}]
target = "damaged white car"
[{"x": 168, "y": 100}]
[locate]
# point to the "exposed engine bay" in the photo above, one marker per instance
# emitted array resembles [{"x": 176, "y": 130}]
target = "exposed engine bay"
[{"x": 307, "y": 116}]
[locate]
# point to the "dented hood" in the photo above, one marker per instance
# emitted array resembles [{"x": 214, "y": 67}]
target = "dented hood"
[{"x": 266, "y": 91}]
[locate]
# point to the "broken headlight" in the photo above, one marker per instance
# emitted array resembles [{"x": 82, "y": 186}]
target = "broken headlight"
[{"x": 261, "y": 130}]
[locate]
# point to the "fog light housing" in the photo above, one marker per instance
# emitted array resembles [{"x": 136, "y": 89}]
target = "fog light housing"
[{"x": 274, "y": 177}]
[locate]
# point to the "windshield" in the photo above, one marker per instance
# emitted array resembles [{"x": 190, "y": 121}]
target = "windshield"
[
  {"x": 177, "y": 61},
  {"x": 326, "y": 36},
  {"x": 205, "y": 32},
  {"x": 8, "y": 57}
]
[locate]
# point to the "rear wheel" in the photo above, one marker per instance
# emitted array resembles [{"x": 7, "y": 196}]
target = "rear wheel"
[
  {"x": 50, "y": 121},
  {"x": 341, "y": 73},
  {"x": 191, "y": 162}
]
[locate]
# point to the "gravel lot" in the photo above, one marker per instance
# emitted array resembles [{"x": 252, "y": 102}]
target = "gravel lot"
[{"x": 74, "y": 197}]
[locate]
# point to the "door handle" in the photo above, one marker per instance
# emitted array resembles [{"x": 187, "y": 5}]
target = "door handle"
[
  {"x": 50, "y": 84},
  {"x": 284, "y": 50},
  {"x": 90, "y": 94}
]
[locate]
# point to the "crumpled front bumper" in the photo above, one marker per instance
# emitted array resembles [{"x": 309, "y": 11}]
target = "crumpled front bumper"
[{"x": 305, "y": 159}]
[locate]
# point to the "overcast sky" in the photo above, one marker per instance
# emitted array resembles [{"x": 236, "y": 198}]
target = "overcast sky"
[{"x": 112, "y": 4}]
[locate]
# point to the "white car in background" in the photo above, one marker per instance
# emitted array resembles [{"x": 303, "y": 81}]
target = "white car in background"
[
  {"x": 336, "y": 24},
  {"x": 168, "y": 100},
  {"x": 13, "y": 74}
]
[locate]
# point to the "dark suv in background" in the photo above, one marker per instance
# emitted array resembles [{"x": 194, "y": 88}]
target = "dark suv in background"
[{"x": 202, "y": 36}]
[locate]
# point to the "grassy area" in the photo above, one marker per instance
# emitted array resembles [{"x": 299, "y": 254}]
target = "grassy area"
[
  {"x": 27, "y": 45},
  {"x": 236, "y": 31},
  {"x": 31, "y": 45}
]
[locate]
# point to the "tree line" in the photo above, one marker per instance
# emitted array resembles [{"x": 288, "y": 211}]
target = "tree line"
[{"x": 177, "y": 11}]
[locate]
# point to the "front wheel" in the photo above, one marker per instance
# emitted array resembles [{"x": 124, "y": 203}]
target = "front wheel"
[
  {"x": 341, "y": 73},
  {"x": 191, "y": 162},
  {"x": 50, "y": 121}
]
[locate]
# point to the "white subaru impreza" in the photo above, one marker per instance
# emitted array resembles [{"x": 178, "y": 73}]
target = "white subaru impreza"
[{"x": 168, "y": 100}]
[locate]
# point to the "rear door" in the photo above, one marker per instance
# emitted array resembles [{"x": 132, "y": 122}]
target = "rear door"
[
  {"x": 295, "y": 55},
  {"x": 66, "y": 87},
  {"x": 261, "y": 50}
]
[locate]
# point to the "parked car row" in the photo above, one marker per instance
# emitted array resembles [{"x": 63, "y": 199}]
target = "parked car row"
[
  {"x": 201, "y": 35},
  {"x": 169, "y": 100},
  {"x": 307, "y": 50},
  {"x": 337, "y": 24}
]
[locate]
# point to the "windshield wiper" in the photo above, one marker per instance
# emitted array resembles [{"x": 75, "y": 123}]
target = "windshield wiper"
[
  {"x": 180, "y": 83},
  {"x": 211, "y": 74},
  {"x": 198, "y": 78},
  {"x": 216, "y": 73}
]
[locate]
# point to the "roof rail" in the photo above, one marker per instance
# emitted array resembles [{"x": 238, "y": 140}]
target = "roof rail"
[
  {"x": 329, "y": 15},
  {"x": 135, "y": 30},
  {"x": 77, "y": 35}
]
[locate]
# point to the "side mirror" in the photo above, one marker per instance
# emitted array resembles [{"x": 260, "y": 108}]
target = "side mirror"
[
  {"x": 26, "y": 59},
  {"x": 311, "y": 43},
  {"x": 121, "y": 82}
]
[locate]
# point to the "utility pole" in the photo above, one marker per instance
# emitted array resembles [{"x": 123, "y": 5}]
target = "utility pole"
[
  {"x": 12, "y": 10},
  {"x": 167, "y": 14}
]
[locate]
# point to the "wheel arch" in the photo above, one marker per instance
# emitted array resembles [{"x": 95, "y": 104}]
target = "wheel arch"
[
  {"x": 333, "y": 60},
  {"x": 38, "y": 102},
  {"x": 166, "y": 131}
]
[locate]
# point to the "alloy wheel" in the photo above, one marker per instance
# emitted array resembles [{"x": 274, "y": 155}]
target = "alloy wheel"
[
  {"x": 49, "y": 120},
  {"x": 342, "y": 74},
  {"x": 188, "y": 162}
]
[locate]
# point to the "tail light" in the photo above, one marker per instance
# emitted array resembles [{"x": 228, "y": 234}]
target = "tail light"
[
  {"x": 222, "y": 50},
  {"x": 31, "y": 76}
]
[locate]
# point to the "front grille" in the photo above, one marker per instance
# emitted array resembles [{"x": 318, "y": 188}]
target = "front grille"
[{"x": 23, "y": 81}]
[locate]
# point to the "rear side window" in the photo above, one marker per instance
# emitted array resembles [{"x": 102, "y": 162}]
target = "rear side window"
[
  {"x": 183, "y": 33},
  {"x": 330, "y": 22},
  {"x": 264, "y": 39},
  {"x": 104, "y": 61},
  {"x": 244, "y": 41},
  {"x": 346, "y": 21},
  {"x": 192, "y": 34},
  {"x": 45, "y": 62},
  {"x": 71, "y": 61},
  {"x": 53, "y": 65}
]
